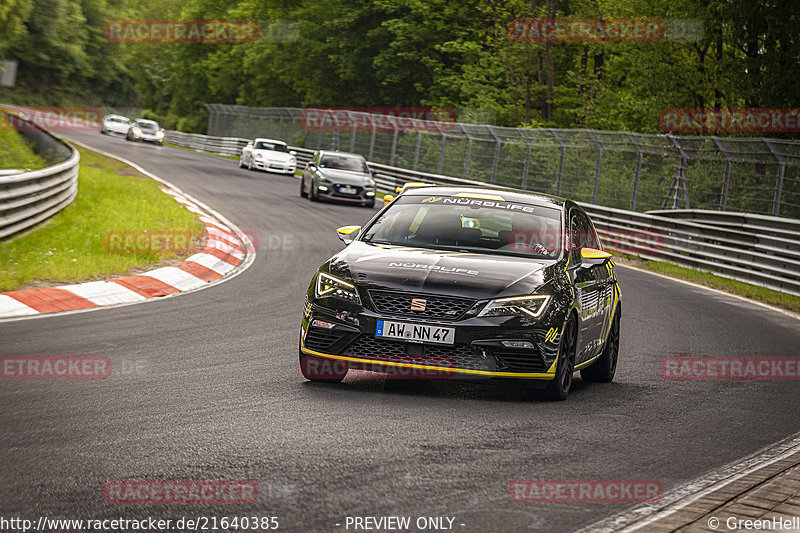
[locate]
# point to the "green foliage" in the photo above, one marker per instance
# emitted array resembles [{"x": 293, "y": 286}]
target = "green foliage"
[{"x": 389, "y": 53}]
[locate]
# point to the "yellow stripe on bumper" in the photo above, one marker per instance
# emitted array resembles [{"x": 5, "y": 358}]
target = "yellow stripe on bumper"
[{"x": 550, "y": 374}]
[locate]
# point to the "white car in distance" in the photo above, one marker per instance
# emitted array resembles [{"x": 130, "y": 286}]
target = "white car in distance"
[
  {"x": 116, "y": 124},
  {"x": 269, "y": 155}
]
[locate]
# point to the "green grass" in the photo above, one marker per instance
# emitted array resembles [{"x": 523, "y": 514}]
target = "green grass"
[
  {"x": 112, "y": 199},
  {"x": 16, "y": 152},
  {"x": 231, "y": 157},
  {"x": 755, "y": 292}
]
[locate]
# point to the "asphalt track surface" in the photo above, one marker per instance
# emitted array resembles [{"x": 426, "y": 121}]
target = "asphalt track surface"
[{"x": 208, "y": 387}]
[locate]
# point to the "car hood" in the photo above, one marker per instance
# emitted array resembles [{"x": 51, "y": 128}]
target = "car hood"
[
  {"x": 345, "y": 176},
  {"x": 474, "y": 275},
  {"x": 273, "y": 155}
]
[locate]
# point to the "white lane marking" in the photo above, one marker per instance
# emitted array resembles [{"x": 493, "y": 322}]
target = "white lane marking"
[
  {"x": 688, "y": 493},
  {"x": 180, "y": 279},
  {"x": 786, "y": 312},
  {"x": 10, "y": 307},
  {"x": 103, "y": 292},
  {"x": 211, "y": 262}
]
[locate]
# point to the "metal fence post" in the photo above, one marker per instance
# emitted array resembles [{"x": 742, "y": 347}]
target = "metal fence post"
[
  {"x": 416, "y": 149},
  {"x": 372, "y": 140},
  {"x": 560, "y": 160},
  {"x": 496, "y": 159},
  {"x": 723, "y": 195},
  {"x": 597, "y": 167},
  {"x": 394, "y": 144},
  {"x": 776, "y": 199},
  {"x": 637, "y": 170},
  {"x": 526, "y": 166},
  {"x": 440, "y": 166}
]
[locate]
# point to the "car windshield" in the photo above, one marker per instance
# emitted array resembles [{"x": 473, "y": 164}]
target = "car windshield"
[
  {"x": 118, "y": 119},
  {"x": 344, "y": 162},
  {"x": 476, "y": 225},
  {"x": 273, "y": 147},
  {"x": 147, "y": 125}
]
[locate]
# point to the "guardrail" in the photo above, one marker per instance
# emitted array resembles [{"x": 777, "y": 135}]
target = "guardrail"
[
  {"x": 28, "y": 198},
  {"x": 206, "y": 143},
  {"x": 757, "y": 249}
]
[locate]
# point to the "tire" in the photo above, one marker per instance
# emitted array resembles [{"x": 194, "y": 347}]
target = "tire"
[
  {"x": 321, "y": 370},
  {"x": 303, "y": 193},
  {"x": 371, "y": 204},
  {"x": 250, "y": 164},
  {"x": 241, "y": 165},
  {"x": 558, "y": 389},
  {"x": 603, "y": 370},
  {"x": 314, "y": 193}
]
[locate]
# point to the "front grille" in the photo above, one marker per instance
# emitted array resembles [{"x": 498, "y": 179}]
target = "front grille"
[
  {"x": 322, "y": 339},
  {"x": 335, "y": 190},
  {"x": 455, "y": 356},
  {"x": 436, "y": 307}
]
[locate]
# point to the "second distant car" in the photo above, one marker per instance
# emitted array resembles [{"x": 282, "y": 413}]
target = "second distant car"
[
  {"x": 116, "y": 124},
  {"x": 341, "y": 176},
  {"x": 269, "y": 155},
  {"x": 145, "y": 130}
]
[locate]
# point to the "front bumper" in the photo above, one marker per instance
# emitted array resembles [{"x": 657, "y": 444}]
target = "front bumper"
[
  {"x": 274, "y": 166},
  {"x": 476, "y": 353},
  {"x": 146, "y": 137},
  {"x": 334, "y": 191}
]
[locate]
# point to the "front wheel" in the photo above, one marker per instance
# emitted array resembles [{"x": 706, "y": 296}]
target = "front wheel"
[
  {"x": 322, "y": 370},
  {"x": 314, "y": 193},
  {"x": 558, "y": 389},
  {"x": 241, "y": 164},
  {"x": 605, "y": 367},
  {"x": 303, "y": 193}
]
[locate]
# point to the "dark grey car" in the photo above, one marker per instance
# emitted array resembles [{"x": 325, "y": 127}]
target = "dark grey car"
[{"x": 338, "y": 176}]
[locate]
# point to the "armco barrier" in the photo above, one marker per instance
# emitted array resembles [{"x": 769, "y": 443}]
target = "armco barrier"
[
  {"x": 28, "y": 198},
  {"x": 757, "y": 249}
]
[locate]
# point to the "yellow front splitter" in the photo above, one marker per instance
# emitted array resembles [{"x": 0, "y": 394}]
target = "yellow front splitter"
[{"x": 549, "y": 375}]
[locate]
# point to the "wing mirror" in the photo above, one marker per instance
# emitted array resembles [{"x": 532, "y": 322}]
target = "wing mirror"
[
  {"x": 348, "y": 234},
  {"x": 592, "y": 257},
  {"x": 388, "y": 198},
  {"x": 292, "y": 152}
]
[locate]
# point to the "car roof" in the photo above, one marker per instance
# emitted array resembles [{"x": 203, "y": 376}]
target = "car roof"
[
  {"x": 264, "y": 140},
  {"x": 146, "y": 120},
  {"x": 508, "y": 195},
  {"x": 115, "y": 116}
]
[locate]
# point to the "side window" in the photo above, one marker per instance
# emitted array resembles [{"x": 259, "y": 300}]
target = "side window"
[
  {"x": 576, "y": 231},
  {"x": 589, "y": 237},
  {"x": 315, "y": 160}
]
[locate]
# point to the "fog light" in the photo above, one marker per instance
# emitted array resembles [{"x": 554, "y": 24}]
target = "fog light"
[
  {"x": 517, "y": 344},
  {"x": 317, "y": 323},
  {"x": 322, "y": 187},
  {"x": 370, "y": 193}
]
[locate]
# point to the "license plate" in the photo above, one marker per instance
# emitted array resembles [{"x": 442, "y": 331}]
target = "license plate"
[
  {"x": 347, "y": 190},
  {"x": 415, "y": 332},
  {"x": 273, "y": 165}
]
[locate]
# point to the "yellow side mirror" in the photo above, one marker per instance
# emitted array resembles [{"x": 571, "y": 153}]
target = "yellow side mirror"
[
  {"x": 388, "y": 198},
  {"x": 347, "y": 234},
  {"x": 592, "y": 257}
]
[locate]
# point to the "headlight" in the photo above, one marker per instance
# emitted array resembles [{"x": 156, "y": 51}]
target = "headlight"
[
  {"x": 532, "y": 306},
  {"x": 292, "y": 160},
  {"x": 137, "y": 131},
  {"x": 331, "y": 287},
  {"x": 160, "y": 134},
  {"x": 258, "y": 157},
  {"x": 371, "y": 183}
]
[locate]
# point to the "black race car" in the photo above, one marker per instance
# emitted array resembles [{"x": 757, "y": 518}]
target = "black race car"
[
  {"x": 340, "y": 176},
  {"x": 455, "y": 282}
]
